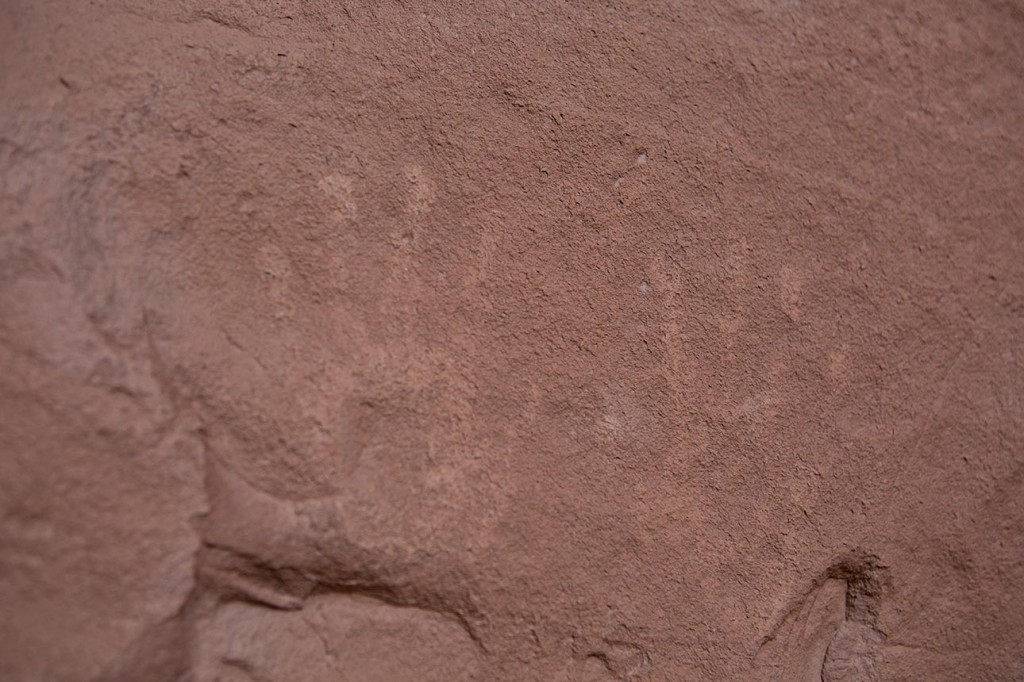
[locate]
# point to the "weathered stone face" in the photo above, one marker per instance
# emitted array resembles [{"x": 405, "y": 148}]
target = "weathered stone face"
[{"x": 511, "y": 341}]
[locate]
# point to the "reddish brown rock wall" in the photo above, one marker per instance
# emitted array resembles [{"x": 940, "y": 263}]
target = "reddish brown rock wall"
[{"x": 568, "y": 341}]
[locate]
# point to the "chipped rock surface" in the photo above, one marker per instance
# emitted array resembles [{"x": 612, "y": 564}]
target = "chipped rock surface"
[{"x": 571, "y": 341}]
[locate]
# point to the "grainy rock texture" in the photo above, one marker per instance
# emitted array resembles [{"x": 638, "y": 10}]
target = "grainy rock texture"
[{"x": 571, "y": 341}]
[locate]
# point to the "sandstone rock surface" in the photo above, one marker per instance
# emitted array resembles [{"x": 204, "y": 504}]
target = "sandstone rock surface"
[{"x": 575, "y": 341}]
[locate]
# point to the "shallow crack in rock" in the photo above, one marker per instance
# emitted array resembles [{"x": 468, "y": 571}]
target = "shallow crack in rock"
[
  {"x": 279, "y": 552},
  {"x": 278, "y": 555},
  {"x": 852, "y": 653},
  {"x": 831, "y": 634},
  {"x": 617, "y": 657}
]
